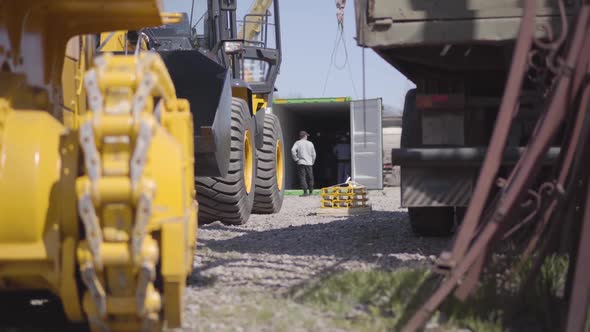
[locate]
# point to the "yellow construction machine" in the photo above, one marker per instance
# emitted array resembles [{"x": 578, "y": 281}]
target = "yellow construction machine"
[
  {"x": 97, "y": 199},
  {"x": 227, "y": 67}
]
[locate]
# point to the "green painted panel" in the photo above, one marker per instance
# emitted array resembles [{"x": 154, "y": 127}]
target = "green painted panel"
[
  {"x": 312, "y": 100},
  {"x": 297, "y": 192}
]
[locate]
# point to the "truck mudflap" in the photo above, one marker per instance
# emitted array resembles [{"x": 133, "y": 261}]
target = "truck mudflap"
[
  {"x": 446, "y": 176},
  {"x": 207, "y": 86},
  {"x": 428, "y": 187}
]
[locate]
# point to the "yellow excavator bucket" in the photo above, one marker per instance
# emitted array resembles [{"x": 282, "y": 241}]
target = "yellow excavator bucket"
[{"x": 41, "y": 28}]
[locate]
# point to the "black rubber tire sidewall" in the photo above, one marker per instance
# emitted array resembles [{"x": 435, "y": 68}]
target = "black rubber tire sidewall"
[
  {"x": 432, "y": 221},
  {"x": 269, "y": 197},
  {"x": 225, "y": 198}
]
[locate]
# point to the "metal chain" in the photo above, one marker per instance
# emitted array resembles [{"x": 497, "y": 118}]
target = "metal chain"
[{"x": 95, "y": 137}]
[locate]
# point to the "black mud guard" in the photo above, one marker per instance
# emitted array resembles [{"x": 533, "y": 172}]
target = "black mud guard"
[
  {"x": 207, "y": 86},
  {"x": 259, "y": 118}
]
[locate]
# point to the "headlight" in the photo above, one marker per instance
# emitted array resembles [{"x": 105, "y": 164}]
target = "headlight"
[{"x": 233, "y": 47}]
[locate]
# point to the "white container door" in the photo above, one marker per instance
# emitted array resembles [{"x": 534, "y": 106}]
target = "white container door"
[{"x": 367, "y": 142}]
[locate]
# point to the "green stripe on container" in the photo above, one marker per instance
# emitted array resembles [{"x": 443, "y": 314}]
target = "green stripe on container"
[
  {"x": 296, "y": 192},
  {"x": 312, "y": 100}
]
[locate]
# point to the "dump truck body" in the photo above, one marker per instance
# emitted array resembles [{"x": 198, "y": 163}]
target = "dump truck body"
[
  {"x": 409, "y": 34},
  {"x": 458, "y": 54}
]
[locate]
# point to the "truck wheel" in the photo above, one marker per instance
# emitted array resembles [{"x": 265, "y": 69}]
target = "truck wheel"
[
  {"x": 432, "y": 221},
  {"x": 229, "y": 199},
  {"x": 425, "y": 221},
  {"x": 460, "y": 212},
  {"x": 270, "y": 179},
  {"x": 411, "y": 136}
]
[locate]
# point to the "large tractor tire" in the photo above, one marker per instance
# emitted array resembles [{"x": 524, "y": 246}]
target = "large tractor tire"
[
  {"x": 432, "y": 221},
  {"x": 230, "y": 199},
  {"x": 425, "y": 221},
  {"x": 270, "y": 179}
]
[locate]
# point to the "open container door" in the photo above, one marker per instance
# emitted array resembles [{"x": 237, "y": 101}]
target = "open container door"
[{"x": 367, "y": 142}]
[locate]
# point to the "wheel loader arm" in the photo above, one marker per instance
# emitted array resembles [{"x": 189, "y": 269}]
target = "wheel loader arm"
[
  {"x": 253, "y": 20},
  {"x": 171, "y": 18}
]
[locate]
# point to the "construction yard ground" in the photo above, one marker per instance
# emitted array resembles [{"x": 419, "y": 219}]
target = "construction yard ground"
[{"x": 299, "y": 271}]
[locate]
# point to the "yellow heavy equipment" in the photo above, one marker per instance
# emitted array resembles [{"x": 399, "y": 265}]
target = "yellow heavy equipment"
[
  {"x": 97, "y": 199},
  {"x": 228, "y": 74}
]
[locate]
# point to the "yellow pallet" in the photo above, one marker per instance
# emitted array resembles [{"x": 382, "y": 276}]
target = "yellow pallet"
[
  {"x": 341, "y": 205},
  {"x": 348, "y": 196},
  {"x": 344, "y": 190},
  {"x": 359, "y": 198},
  {"x": 343, "y": 196}
]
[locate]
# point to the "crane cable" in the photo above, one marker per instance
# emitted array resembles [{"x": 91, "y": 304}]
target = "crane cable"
[
  {"x": 350, "y": 76},
  {"x": 336, "y": 42},
  {"x": 340, "y": 39}
]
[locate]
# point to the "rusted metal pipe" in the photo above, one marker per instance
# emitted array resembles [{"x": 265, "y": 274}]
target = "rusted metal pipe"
[
  {"x": 570, "y": 95},
  {"x": 499, "y": 138},
  {"x": 576, "y": 317}
]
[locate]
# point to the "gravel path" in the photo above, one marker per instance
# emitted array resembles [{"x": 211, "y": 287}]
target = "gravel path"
[{"x": 243, "y": 272}]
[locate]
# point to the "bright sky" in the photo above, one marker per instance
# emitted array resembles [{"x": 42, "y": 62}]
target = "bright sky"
[{"x": 308, "y": 30}]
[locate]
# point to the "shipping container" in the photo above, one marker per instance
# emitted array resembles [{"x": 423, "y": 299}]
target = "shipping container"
[{"x": 327, "y": 119}]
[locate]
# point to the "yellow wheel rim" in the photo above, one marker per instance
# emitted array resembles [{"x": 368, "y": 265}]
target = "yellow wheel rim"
[
  {"x": 279, "y": 165},
  {"x": 248, "y": 161}
]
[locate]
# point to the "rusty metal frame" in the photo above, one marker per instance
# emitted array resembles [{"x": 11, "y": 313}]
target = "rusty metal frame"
[{"x": 489, "y": 219}]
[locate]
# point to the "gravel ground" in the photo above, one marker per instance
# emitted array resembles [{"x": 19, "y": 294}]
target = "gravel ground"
[{"x": 244, "y": 272}]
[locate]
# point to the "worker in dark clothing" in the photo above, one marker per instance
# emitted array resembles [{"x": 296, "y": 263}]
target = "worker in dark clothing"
[
  {"x": 342, "y": 153},
  {"x": 303, "y": 153}
]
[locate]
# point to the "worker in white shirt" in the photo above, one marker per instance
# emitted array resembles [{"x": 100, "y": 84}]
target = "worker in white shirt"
[
  {"x": 303, "y": 153},
  {"x": 342, "y": 153}
]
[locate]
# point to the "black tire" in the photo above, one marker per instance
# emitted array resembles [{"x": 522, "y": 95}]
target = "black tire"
[
  {"x": 432, "y": 221},
  {"x": 227, "y": 199},
  {"x": 411, "y": 136},
  {"x": 460, "y": 212},
  {"x": 425, "y": 221},
  {"x": 270, "y": 184}
]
